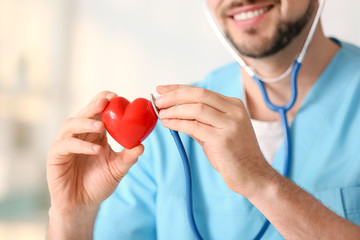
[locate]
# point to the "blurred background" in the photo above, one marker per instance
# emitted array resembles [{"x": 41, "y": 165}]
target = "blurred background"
[{"x": 55, "y": 55}]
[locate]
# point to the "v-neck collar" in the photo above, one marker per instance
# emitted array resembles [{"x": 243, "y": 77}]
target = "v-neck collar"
[
  {"x": 313, "y": 111},
  {"x": 308, "y": 121}
]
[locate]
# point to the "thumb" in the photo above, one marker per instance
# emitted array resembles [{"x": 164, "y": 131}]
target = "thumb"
[
  {"x": 124, "y": 160},
  {"x": 131, "y": 155}
]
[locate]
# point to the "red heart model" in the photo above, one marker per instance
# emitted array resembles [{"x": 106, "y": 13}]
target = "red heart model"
[{"x": 129, "y": 123}]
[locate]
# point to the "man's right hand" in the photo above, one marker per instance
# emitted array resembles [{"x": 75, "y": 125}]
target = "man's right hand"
[{"x": 83, "y": 170}]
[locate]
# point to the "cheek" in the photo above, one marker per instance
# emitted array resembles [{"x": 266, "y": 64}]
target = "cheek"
[
  {"x": 216, "y": 7},
  {"x": 214, "y": 4},
  {"x": 291, "y": 10}
]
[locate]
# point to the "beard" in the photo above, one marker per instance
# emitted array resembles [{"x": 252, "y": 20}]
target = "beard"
[{"x": 285, "y": 33}]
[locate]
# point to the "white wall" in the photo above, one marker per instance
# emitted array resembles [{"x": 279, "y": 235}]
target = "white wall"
[
  {"x": 341, "y": 19},
  {"x": 131, "y": 46}
]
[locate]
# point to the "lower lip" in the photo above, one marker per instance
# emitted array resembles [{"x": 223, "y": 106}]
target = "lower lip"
[{"x": 250, "y": 23}]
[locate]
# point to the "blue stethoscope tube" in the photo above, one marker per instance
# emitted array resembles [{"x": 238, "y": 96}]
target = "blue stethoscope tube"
[
  {"x": 187, "y": 171},
  {"x": 282, "y": 110}
]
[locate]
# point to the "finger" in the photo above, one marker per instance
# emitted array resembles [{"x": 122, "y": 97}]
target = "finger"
[
  {"x": 70, "y": 146},
  {"x": 162, "y": 89},
  {"x": 195, "y": 129},
  {"x": 120, "y": 165},
  {"x": 104, "y": 94},
  {"x": 201, "y": 143},
  {"x": 74, "y": 126},
  {"x": 97, "y": 105},
  {"x": 196, "y": 111},
  {"x": 129, "y": 155},
  {"x": 183, "y": 94}
]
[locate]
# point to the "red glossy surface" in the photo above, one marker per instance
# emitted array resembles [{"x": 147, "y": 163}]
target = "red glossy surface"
[{"x": 129, "y": 123}]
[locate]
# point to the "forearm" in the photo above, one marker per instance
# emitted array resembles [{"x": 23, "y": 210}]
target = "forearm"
[
  {"x": 298, "y": 215},
  {"x": 77, "y": 224}
]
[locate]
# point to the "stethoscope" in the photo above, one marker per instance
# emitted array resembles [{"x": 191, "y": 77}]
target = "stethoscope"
[{"x": 282, "y": 110}]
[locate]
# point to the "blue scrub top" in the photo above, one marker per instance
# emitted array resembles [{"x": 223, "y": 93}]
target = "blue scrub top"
[{"x": 150, "y": 202}]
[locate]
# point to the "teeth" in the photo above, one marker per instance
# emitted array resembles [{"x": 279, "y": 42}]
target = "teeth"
[{"x": 250, "y": 14}]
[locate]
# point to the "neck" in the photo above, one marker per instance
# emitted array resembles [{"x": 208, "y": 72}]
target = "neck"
[
  {"x": 275, "y": 65},
  {"x": 319, "y": 54}
]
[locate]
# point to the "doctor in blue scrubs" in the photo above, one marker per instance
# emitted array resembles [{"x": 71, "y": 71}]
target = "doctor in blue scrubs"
[{"x": 234, "y": 142}]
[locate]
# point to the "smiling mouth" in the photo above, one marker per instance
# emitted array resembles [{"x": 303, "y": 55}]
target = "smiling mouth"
[{"x": 247, "y": 15}]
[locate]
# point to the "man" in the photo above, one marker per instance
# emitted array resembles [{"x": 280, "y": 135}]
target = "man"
[{"x": 234, "y": 186}]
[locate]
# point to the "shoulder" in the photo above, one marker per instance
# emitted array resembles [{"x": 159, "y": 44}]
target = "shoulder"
[
  {"x": 351, "y": 50},
  {"x": 225, "y": 80},
  {"x": 343, "y": 81},
  {"x": 345, "y": 64},
  {"x": 349, "y": 61},
  {"x": 227, "y": 71},
  {"x": 349, "y": 55}
]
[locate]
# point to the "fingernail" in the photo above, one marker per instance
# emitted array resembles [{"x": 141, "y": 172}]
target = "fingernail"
[
  {"x": 96, "y": 148},
  {"x": 111, "y": 95},
  {"x": 159, "y": 100},
  {"x": 162, "y": 113},
  {"x": 165, "y": 121},
  {"x": 97, "y": 124}
]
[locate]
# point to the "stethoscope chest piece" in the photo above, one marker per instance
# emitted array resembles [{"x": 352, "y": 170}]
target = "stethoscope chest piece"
[{"x": 152, "y": 100}]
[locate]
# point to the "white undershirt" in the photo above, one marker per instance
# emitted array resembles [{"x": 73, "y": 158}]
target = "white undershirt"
[{"x": 268, "y": 134}]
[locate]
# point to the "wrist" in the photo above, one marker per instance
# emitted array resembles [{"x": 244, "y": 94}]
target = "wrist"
[
  {"x": 71, "y": 224},
  {"x": 72, "y": 210},
  {"x": 262, "y": 180},
  {"x": 266, "y": 187}
]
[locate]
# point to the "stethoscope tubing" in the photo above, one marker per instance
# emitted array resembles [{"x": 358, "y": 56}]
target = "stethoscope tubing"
[
  {"x": 282, "y": 110},
  {"x": 237, "y": 56},
  {"x": 188, "y": 182},
  {"x": 293, "y": 85}
]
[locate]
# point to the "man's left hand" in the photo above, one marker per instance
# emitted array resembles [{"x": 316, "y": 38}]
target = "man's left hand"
[{"x": 221, "y": 125}]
